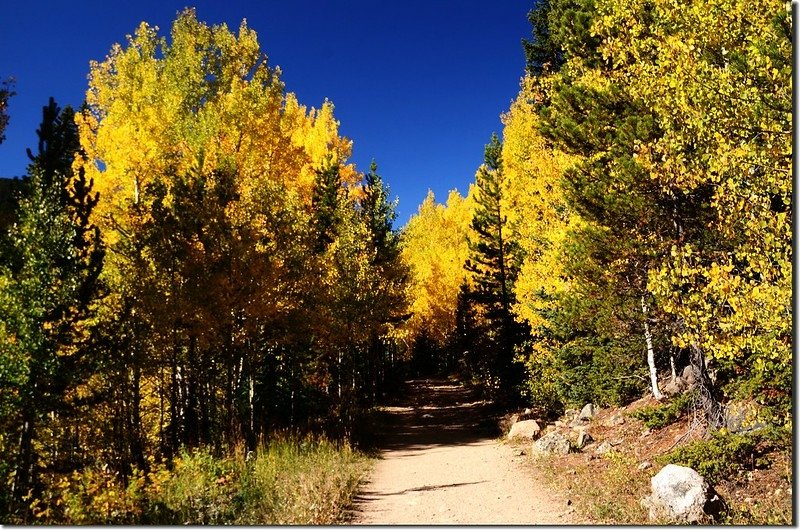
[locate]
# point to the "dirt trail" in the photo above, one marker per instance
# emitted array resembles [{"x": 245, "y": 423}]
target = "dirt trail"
[{"x": 441, "y": 463}]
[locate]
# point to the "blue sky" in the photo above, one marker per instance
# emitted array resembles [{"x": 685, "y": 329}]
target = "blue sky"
[{"x": 418, "y": 85}]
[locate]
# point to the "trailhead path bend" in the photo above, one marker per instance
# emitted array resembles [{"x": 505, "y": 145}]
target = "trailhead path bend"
[{"x": 440, "y": 462}]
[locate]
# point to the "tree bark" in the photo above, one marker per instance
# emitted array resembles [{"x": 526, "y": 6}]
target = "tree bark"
[{"x": 651, "y": 357}]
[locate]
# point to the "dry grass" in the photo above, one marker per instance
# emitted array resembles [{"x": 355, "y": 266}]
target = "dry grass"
[{"x": 290, "y": 480}]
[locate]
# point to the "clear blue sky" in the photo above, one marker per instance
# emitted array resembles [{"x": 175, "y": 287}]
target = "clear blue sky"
[{"x": 418, "y": 85}]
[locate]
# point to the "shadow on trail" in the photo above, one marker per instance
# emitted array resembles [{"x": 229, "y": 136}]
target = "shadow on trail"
[{"x": 433, "y": 412}]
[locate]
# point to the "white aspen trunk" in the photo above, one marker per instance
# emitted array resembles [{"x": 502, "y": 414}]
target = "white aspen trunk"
[
  {"x": 672, "y": 366},
  {"x": 250, "y": 395},
  {"x": 651, "y": 357}
]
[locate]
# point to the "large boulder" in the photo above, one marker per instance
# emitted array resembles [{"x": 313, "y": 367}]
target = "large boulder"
[
  {"x": 551, "y": 443},
  {"x": 524, "y": 430},
  {"x": 587, "y": 412},
  {"x": 675, "y": 386},
  {"x": 742, "y": 416},
  {"x": 614, "y": 420},
  {"x": 584, "y": 438},
  {"x": 679, "y": 495},
  {"x": 691, "y": 377}
]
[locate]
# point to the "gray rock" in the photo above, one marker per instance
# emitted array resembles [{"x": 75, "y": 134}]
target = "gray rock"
[
  {"x": 679, "y": 495},
  {"x": 644, "y": 465},
  {"x": 691, "y": 377},
  {"x": 742, "y": 416},
  {"x": 551, "y": 443},
  {"x": 587, "y": 412},
  {"x": 614, "y": 420},
  {"x": 602, "y": 449},
  {"x": 675, "y": 387},
  {"x": 583, "y": 439},
  {"x": 576, "y": 424},
  {"x": 524, "y": 430},
  {"x": 507, "y": 421}
]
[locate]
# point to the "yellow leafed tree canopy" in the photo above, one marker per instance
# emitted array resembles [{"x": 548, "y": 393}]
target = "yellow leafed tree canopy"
[
  {"x": 537, "y": 209},
  {"x": 435, "y": 247},
  {"x": 207, "y": 101}
]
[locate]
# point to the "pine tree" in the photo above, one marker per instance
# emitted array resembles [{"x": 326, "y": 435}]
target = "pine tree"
[
  {"x": 47, "y": 288},
  {"x": 632, "y": 220},
  {"x": 325, "y": 205},
  {"x": 494, "y": 263},
  {"x": 542, "y": 52},
  {"x": 379, "y": 214},
  {"x": 387, "y": 304},
  {"x": 6, "y": 92}
]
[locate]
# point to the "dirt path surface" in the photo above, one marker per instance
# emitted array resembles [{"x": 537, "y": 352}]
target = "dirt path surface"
[{"x": 441, "y": 463}]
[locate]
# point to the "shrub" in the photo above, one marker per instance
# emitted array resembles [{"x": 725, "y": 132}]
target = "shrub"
[
  {"x": 725, "y": 453},
  {"x": 658, "y": 416}
]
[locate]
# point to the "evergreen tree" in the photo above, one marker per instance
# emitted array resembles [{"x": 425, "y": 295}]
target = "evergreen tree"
[
  {"x": 378, "y": 213},
  {"x": 494, "y": 263},
  {"x": 325, "y": 204},
  {"x": 386, "y": 302},
  {"x": 47, "y": 287},
  {"x": 6, "y": 92},
  {"x": 542, "y": 52}
]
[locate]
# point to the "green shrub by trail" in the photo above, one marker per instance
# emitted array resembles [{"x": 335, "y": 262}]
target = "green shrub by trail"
[{"x": 725, "y": 454}]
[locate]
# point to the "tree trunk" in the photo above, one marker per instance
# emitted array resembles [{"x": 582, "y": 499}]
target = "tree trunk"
[
  {"x": 707, "y": 401},
  {"x": 651, "y": 357},
  {"x": 672, "y": 365}
]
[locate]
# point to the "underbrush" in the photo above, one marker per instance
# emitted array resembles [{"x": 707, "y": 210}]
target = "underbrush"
[
  {"x": 289, "y": 481},
  {"x": 727, "y": 455},
  {"x": 750, "y": 471},
  {"x": 661, "y": 415}
]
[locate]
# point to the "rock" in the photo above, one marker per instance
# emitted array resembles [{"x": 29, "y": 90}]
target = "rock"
[
  {"x": 742, "y": 416},
  {"x": 587, "y": 412},
  {"x": 679, "y": 495},
  {"x": 614, "y": 420},
  {"x": 602, "y": 449},
  {"x": 691, "y": 377},
  {"x": 583, "y": 439},
  {"x": 644, "y": 465},
  {"x": 578, "y": 423},
  {"x": 675, "y": 387},
  {"x": 552, "y": 443},
  {"x": 524, "y": 430},
  {"x": 519, "y": 452},
  {"x": 507, "y": 421},
  {"x": 559, "y": 423}
]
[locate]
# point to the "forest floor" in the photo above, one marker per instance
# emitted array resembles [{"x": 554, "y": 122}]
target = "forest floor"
[{"x": 440, "y": 461}]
